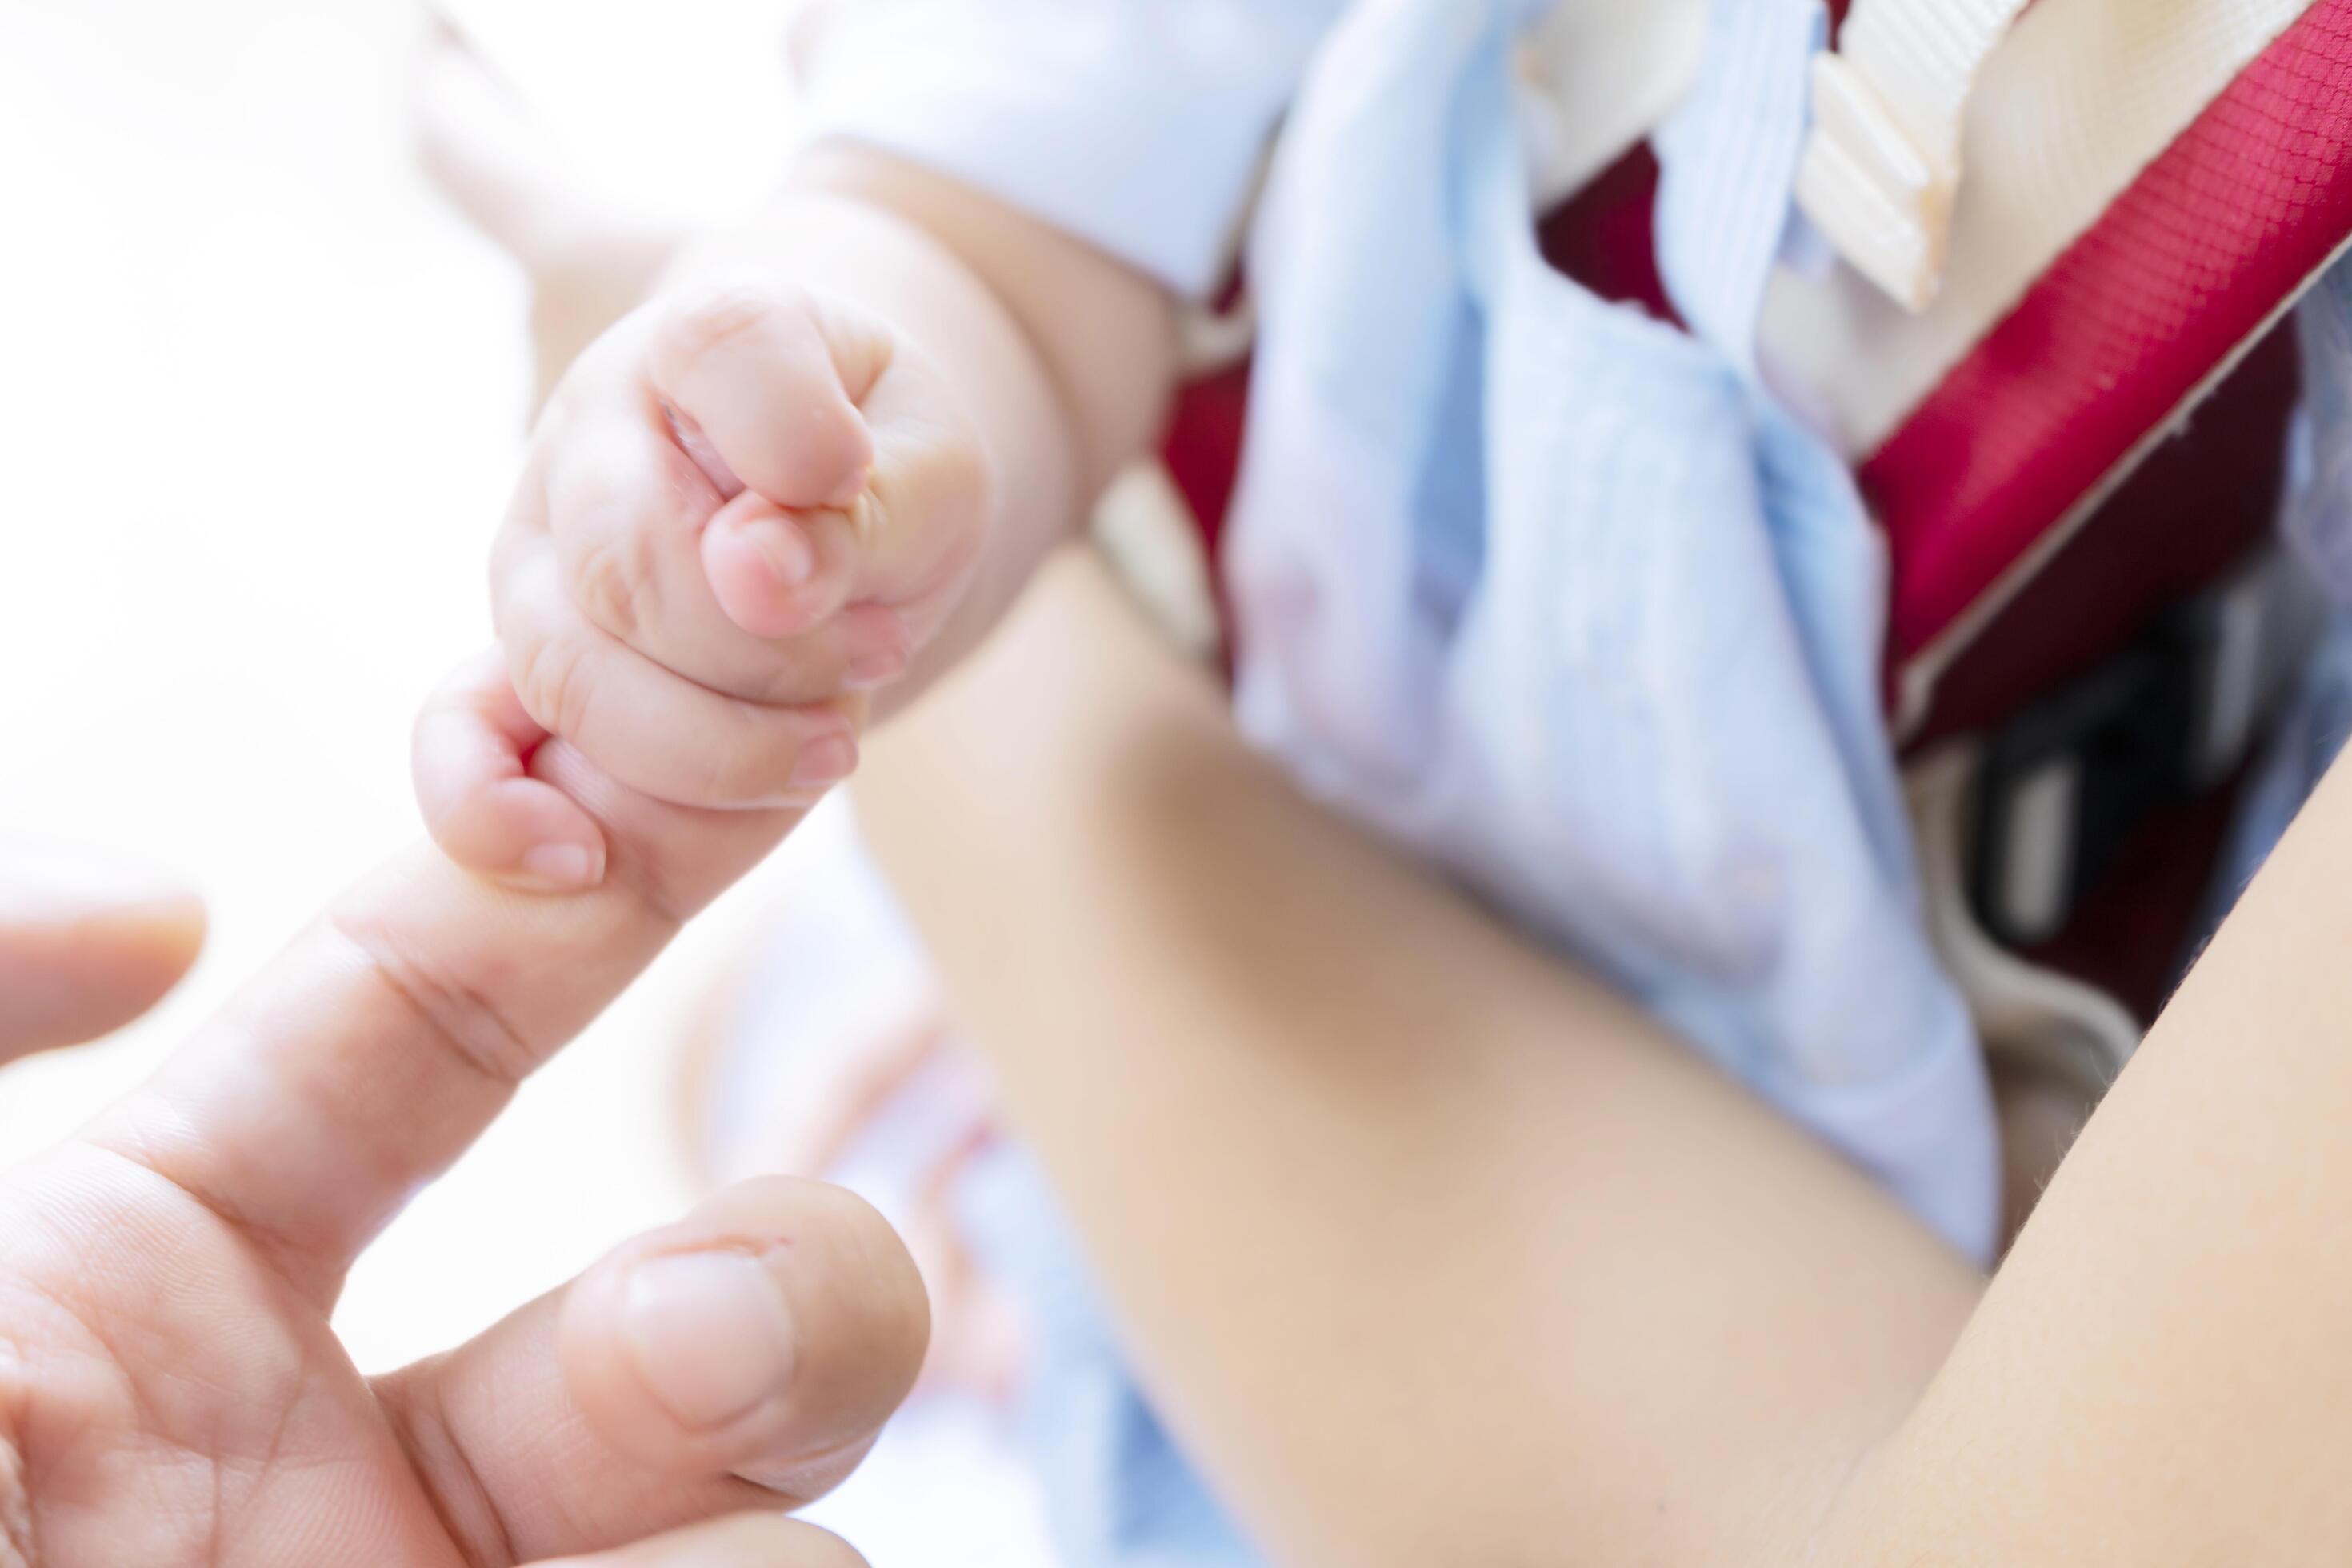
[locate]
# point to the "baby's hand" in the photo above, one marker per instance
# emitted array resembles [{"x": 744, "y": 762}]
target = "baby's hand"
[{"x": 744, "y": 508}]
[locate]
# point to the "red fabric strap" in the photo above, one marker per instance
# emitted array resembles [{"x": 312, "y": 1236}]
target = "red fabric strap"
[{"x": 2181, "y": 273}]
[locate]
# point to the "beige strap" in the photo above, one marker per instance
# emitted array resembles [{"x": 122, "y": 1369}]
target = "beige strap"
[
  {"x": 1882, "y": 167},
  {"x": 2076, "y": 102},
  {"x": 2027, "y": 1014},
  {"x": 1598, "y": 76}
]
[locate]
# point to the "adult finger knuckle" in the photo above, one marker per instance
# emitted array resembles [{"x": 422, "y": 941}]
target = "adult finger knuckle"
[
  {"x": 439, "y": 1454},
  {"x": 448, "y": 995}
]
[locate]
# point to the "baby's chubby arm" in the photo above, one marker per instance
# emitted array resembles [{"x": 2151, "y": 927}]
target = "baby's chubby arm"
[{"x": 813, "y": 469}]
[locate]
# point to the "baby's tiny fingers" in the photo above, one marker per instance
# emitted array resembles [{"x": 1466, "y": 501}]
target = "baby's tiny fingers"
[
  {"x": 913, "y": 536},
  {"x": 778, "y": 573},
  {"x": 651, "y": 729},
  {"x": 471, "y": 758},
  {"x": 709, "y": 591},
  {"x": 908, "y": 540},
  {"x": 771, "y": 380}
]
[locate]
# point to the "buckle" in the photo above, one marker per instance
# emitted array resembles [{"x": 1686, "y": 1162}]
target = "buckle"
[{"x": 2067, "y": 779}]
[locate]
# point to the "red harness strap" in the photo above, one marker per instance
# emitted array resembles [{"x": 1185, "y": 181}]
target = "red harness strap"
[
  {"x": 2051, "y": 500},
  {"x": 2010, "y": 455},
  {"x": 2024, "y": 501}
]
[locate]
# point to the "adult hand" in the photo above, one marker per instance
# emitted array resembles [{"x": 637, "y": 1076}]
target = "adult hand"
[
  {"x": 170, "y": 1389},
  {"x": 84, "y": 950}
]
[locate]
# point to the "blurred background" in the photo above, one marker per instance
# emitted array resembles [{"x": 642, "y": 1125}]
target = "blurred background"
[{"x": 261, "y": 395}]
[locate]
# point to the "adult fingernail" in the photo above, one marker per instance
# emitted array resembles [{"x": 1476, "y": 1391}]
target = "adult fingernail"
[
  {"x": 562, "y": 866},
  {"x": 824, "y": 762},
  {"x": 712, "y": 1335}
]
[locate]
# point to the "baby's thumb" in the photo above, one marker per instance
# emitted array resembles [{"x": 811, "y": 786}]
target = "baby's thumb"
[{"x": 471, "y": 754}]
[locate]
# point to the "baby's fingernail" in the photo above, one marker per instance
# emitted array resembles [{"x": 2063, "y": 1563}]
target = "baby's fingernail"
[
  {"x": 882, "y": 664},
  {"x": 785, "y": 549},
  {"x": 824, "y": 762},
  {"x": 712, "y": 1334},
  {"x": 562, "y": 866}
]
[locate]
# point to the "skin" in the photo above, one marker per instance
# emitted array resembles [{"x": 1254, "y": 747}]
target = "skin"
[
  {"x": 1432, "y": 1250},
  {"x": 819, "y": 460},
  {"x": 822, "y": 458},
  {"x": 1429, "y": 1248},
  {"x": 85, "y": 948},
  {"x": 169, "y": 1388}
]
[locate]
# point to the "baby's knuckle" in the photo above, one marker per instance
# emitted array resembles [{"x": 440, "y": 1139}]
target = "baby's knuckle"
[
  {"x": 549, "y": 680},
  {"x": 614, "y": 582},
  {"x": 741, "y": 769},
  {"x": 712, "y": 315},
  {"x": 790, "y": 677}
]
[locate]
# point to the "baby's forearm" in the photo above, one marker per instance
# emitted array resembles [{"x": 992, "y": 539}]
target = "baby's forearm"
[
  {"x": 1063, "y": 356},
  {"x": 1431, "y": 1252}
]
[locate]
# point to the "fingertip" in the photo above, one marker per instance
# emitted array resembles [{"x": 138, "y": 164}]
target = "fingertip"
[
  {"x": 171, "y": 927},
  {"x": 148, "y": 945},
  {"x": 775, "y": 574},
  {"x": 770, "y": 1333},
  {"x": 469, "y": 756},
  {"x": 523, "y": 834},
  {"x": 759, "y": 565},
  {"x": 54, "y": 888},
  {"x": 770, "y": 379},
  {"x": 826, "y": 454},
  {"x": 85, "y": 947}
]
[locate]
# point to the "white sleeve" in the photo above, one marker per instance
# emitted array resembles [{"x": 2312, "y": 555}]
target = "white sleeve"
[{"x": 1137, "y": 125}]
